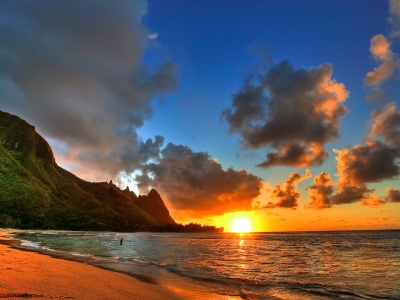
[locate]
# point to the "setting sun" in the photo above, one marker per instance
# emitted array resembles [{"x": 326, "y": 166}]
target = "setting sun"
[{"x": 241, "y": 225}]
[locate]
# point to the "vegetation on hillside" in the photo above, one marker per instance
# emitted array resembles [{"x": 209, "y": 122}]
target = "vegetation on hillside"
[{"x": 36, "y": 193}]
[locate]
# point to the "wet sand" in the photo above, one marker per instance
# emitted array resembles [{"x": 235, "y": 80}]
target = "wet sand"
[{"x": 25, "y": 274}]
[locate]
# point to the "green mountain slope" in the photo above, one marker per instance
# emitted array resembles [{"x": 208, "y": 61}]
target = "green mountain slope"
[{"x": 37, "y": 193}]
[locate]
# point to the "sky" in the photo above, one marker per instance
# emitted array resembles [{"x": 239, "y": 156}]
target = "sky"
[{"x": 286, "y": 113}]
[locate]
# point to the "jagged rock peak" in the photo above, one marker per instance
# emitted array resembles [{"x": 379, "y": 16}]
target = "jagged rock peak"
[
  {"x": 153, "y": 205},
  {"x": 154, "y": 193}
]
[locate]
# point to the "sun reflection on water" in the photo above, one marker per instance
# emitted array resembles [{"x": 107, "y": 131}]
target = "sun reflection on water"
[{"x": 242, "y": 249}]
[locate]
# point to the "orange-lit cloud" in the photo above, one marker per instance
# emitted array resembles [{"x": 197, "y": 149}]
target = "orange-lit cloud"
[
  {"x": 294, "y": 111},
  {"x": 372, "y": 162},
  {"x": 196, "y": 183},
  {"x": 286, "y": 195},
  {"x": 386, "y": 123},
  {"x": 321, "y": 192},
  {"x": 375, "y": 161},
  {"x": 380, "y": 49},
  {"x": 373, "y": 201},
  {"x": 325, "y": 193},
  {"x": 295, "y": 154}
]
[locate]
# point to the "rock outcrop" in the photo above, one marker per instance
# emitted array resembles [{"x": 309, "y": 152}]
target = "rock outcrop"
[{"x": 153, "y": 205}]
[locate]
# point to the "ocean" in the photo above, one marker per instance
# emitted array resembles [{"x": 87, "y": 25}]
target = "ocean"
[{"x": 298, "y": 265}]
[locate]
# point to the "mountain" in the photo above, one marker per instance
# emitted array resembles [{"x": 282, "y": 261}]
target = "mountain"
[
  {"x": 37, "y": 193},
  {"x": 155, "y": 207}
]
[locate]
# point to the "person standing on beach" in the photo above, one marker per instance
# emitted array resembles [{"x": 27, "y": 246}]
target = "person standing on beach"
[{"x": 121, "y": 241}]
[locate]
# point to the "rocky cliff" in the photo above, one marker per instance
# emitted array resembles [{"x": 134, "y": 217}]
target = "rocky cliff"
[{"x": 155, "y": 207}]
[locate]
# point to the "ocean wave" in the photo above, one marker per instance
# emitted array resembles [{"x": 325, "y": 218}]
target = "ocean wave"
[
  {"x": 30, "y": 244},
  {"x": 81, "y": 254}
]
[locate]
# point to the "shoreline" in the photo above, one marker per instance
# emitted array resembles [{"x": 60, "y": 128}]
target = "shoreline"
[{"x": 30, "y": 273}]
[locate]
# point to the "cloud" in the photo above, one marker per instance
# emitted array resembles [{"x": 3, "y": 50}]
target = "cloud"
[
  {"x": 393, "y": 195},
  {"x": 373, "y": 201},
  {"x": 150, "y": 149},
  {"x": 196, "y": 183},
  {"x": 78, "y": 68},
  {"x": 394, "y": 18},
  {"x": 394, "y": 7},
  {"x": 386, "y": 123},
  {"x": 321, "y": 192},
  {"x": 380, "y": 49},
  {"x": 294, "y": 111},
  {"x": 325, "y": 193},
  {"x": 347, "y": 194},
  {"x": 296, "y": 155},
  {"x": 377, "y": 159},
  {"x": 374, "y": 161},
  {"x": 286, "y": 195}
]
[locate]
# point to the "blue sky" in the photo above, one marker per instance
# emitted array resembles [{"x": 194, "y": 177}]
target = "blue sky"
[
  {"x": 101, "y": 80},
  {"x": 213, "y": 43}
]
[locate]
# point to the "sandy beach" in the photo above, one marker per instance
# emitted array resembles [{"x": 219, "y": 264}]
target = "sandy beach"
[{"x": 26, "y": 274}]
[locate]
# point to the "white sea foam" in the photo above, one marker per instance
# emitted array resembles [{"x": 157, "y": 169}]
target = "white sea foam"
[
  {"x": 80, "y": 254},
  {"x": 30, "y": 244}
]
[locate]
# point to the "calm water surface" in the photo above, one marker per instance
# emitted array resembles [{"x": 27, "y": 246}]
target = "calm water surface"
[{"x": 309, "y": 265}]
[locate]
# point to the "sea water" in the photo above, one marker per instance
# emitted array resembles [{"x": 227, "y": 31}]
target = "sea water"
[{"x": 299, "y": 265}]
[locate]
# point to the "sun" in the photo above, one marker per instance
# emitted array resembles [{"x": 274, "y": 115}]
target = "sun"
[{"x": 241, "y": 225}]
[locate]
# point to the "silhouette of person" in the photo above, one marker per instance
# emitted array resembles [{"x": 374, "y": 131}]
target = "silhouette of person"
[{"x": 121, "y": 241}]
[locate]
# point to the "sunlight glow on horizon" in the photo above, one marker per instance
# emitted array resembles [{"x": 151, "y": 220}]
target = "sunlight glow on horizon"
[{"x": 241, "y": 225}]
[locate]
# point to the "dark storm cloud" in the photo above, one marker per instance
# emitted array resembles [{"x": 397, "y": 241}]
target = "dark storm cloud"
[
  {"x": 372, "y": 162},
  {"x": 196, "y": 183},
  {"x": 352, "y": 193},
  {"x": 294, "y": 154},
  {"x": 393, "y": 195},
  {"x": 77, "y": 66},
  {"x": 294, "y": 111},
  {"x": 150, "y": 149},
  {"x": 286, "y": 195}
]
